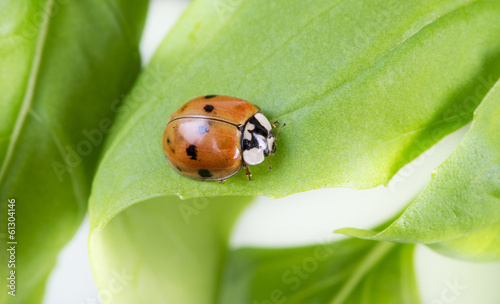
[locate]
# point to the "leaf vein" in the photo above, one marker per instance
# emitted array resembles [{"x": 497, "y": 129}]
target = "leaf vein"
[{"x": 30, "y": 89}]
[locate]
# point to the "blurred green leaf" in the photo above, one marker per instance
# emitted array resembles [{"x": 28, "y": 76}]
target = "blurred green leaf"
[
  {"x": 165, "y": 250},
  {"x": 350, "y": 271},
  {"x": 63, "y": 67},
  {"x": 458, "y": 213}
]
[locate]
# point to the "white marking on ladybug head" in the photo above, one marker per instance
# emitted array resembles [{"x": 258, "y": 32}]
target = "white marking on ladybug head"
[
  {"x": 257, "y": 139},
  {"x": 263, "y": 121},
  {"x": 253, "y": 156},
  {"x": 247, "y": 134},
  {"x": 271, "y": 143},
  {"x": 257, "y": 151}
]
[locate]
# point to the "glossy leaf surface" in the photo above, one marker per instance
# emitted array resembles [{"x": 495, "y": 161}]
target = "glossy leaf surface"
[
  {"x": 458, "y": 213},
  {"x": 364, "y": 87}
]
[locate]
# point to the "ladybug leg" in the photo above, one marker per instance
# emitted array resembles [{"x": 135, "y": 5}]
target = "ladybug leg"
[
  {"x": 273, "y": 125},
  {"x": 248, "y": 171},
  {"x": 222, "y": 181}
]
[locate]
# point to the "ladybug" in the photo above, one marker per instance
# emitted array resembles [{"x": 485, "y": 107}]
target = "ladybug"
[{"x": 211, "y": 137}]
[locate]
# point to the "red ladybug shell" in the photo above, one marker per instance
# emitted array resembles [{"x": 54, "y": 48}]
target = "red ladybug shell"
[{"x": 202, "y": 139}]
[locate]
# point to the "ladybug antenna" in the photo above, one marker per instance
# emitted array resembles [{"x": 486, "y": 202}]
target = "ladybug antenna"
[{"x": 275, "y": 139}]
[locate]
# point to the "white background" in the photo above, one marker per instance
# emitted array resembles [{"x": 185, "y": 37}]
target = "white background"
[{"x": 304, "y": 218}]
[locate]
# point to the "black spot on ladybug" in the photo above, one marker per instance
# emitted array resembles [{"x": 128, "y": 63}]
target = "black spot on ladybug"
[
  {"x": 203, "y": 129},
  {"x": 209, "y": 96},
  {"x": 204, "y": 173},
  {"x": 208, "y": 108},
  {"x": 191, "y": 151},
  {"x": 179, "y": 169},
  {"x": 168, "y": 140},
  {"x": 173, "y": 151},
  {"x": 183, "y": 108}
]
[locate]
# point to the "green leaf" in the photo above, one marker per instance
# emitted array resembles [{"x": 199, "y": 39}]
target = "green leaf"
[
  {"x": 364, "y": 86},
  {"x": 350, "y": 271},
  {"x": 335, "y": 75},
  {"x": 165, "y": 250},
  {"x": 458, "y": 213},
  {"x": 63, "y": 67}
]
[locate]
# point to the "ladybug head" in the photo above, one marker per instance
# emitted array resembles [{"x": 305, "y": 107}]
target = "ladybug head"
[{"x": 258, "y": 140}]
